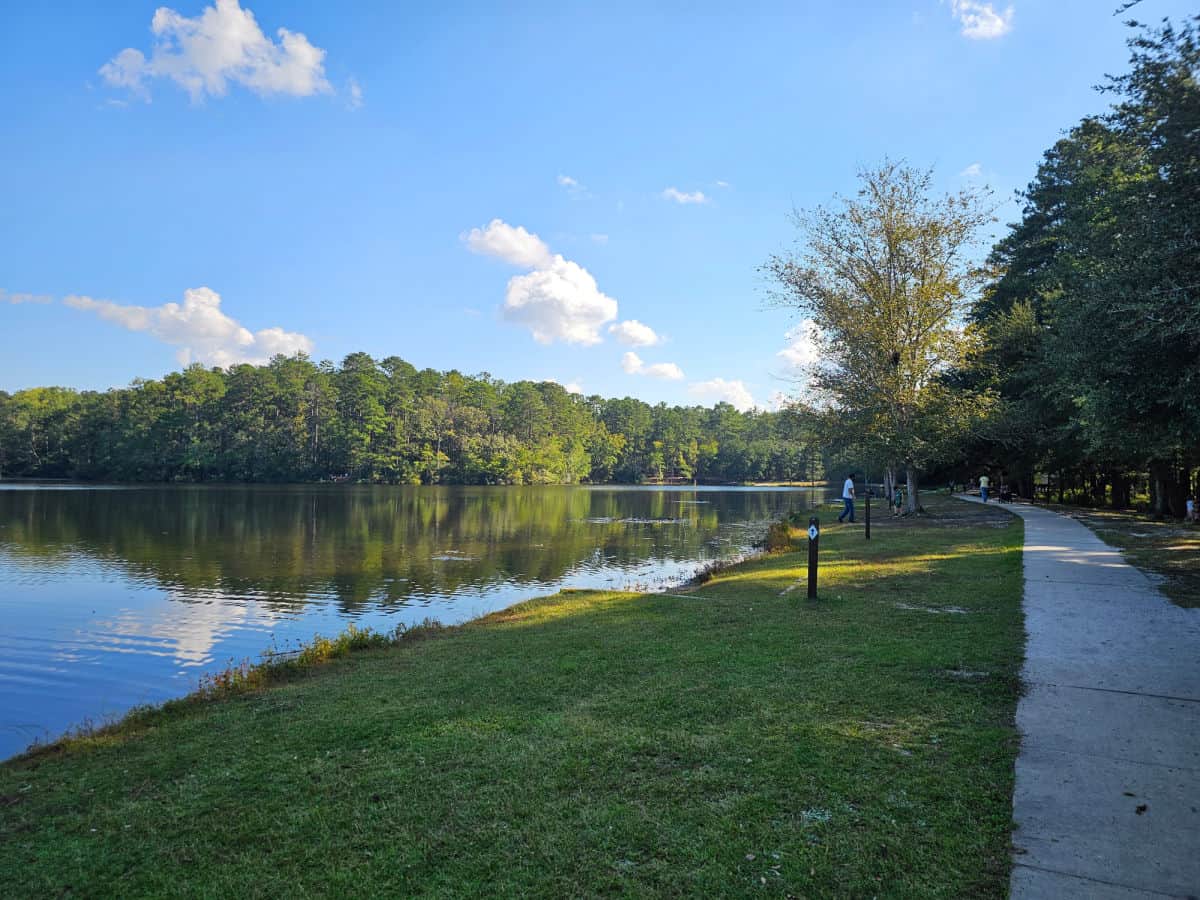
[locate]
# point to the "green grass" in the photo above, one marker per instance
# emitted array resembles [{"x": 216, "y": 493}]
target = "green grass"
[{"x": 737, "y": 741}]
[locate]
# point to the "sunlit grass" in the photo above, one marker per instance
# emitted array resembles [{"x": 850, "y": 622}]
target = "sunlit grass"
[{"x": 728, "y": 741}]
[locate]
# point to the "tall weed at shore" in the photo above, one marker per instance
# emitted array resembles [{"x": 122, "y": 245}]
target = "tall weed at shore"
[{"x": 276, "y": 664}]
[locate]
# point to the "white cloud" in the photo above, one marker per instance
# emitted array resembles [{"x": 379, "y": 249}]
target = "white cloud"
[
  {"x": 633, "y": 333},
  {"x": 599, "y": 238},
  {"x": 974, "y": 170},
  {"x": 573, "y": 387},
  {"x": 722, "y": 184},
  {"x": 199, "y": 328},
  {"x": 980, "y": 20},
  {"x": 670, "y": 371},
  {"x": 513, "y": 245},
  {"x": 718, "y": 389},
  {"x": 354, "y": 93},
  {"x": 559, "y": 300},
  {"x": 559, "y": 303},
  {"x": 779, "y": 400},
  {"x": 804, "y": 347},
  {"x": 633, "y": 365},
  {"x": 17, "y": 299},
  {"x": 571, "y": 184},
  {"x": 223, "y": 44},
  {"x": 684, "y": 197}
]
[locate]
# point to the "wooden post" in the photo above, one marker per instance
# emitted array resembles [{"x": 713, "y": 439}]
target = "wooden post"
[{"x": 814, "y": 534}]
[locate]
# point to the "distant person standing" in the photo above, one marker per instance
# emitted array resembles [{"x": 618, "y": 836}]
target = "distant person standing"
[
  {"x": 898, "y": 501},
  {"x": 1191, "y": 510},
  {"x": 983, "y": 487},
  {"x": 848, "y": 498}
]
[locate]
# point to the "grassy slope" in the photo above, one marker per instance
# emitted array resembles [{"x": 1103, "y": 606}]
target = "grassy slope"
[{"x": 734, "y": 742}]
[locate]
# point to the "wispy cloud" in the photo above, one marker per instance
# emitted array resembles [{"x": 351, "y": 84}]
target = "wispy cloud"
[
  {"x": 734, "y": 393},
  {"x": 16, "y": 299},
  {"x": 684, "y": 197},
  {"x": 974, "y": 170},
  {"x": 354, "y": 93},
  {"x": 559, "y": 300},
  {"x": 981, "y": 21},
  {"x": 199, "y": 328},
  {"x": 632, "y": 364},
  {"x": 220, "y": 46}
]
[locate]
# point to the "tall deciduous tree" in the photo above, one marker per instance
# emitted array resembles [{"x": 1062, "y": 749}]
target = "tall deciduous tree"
[{"x": 886, "y": 277}]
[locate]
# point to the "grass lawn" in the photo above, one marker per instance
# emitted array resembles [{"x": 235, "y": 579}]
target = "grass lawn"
[
  {"x": 738, "y": 741},
  {"x": 1169, "y": 550}
]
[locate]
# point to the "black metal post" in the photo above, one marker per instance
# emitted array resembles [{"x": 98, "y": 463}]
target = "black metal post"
[
  {"x": 868, "y": 511},
  {"x": 814, "y": 534}
]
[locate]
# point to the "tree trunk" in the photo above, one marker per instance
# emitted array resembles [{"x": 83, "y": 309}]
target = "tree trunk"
[
  {"x": 912, "y": 501},
  {"x": 1162, "y": 486},
  {"x": 1120, "y": 492},
  {"x": 1177, "y": 493}
]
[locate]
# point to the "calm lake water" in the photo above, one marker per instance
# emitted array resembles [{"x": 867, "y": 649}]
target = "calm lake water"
[{"x": 115, "y": 596}]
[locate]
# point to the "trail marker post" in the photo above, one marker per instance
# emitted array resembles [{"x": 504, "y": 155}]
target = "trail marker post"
[{"x": 814, "y": 535}]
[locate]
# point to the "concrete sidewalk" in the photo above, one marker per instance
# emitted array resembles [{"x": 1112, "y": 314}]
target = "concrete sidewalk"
[{"x": 1107, "y": 798}]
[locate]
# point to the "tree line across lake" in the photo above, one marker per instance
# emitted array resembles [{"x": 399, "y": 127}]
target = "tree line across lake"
[{"x": 384, "y": 421}]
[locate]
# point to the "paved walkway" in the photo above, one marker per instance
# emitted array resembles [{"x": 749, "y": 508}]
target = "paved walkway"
[{"x": 1107, "y": 799}]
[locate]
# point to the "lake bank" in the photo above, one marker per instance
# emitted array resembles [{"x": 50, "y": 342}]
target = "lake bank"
[
  {"x": 735, "y": 738},
  {"x": 113, "y": 596}
]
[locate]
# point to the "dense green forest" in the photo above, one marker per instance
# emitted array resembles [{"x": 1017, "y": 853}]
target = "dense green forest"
[
  {"x": 384, "y": 421},
  {"x": 1089, "y": 333}
]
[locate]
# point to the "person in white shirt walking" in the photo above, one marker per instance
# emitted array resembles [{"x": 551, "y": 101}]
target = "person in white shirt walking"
[
  {"x": 984, "y": 484},
  {"x": 848, "y": 498}
]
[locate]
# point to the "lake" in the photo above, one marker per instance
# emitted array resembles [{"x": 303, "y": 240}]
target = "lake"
[{"x": 116, "y": 596}]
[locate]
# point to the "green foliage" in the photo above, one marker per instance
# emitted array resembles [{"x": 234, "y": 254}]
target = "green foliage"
[
  {"x": 885, "y": 277},
  {"x": 1092, "y": 327},
  {"x": 368, "y": 421}
]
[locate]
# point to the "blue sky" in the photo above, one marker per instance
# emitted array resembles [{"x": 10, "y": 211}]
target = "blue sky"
[{"x": 480, "y": 189}]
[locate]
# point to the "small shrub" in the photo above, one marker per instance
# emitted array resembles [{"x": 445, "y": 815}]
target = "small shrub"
[
  {"x": 426, "y": 628},
  {"x": 779, "y": 537}
]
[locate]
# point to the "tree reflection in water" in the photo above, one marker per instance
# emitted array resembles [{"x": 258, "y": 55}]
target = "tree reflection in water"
[{"x": 178, "y": 578}]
